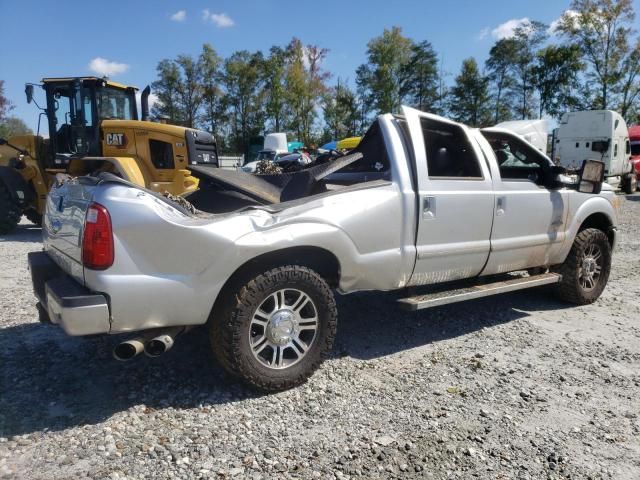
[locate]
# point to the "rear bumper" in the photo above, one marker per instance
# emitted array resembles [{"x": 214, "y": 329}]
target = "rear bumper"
[{"x": 75, "y": 308}]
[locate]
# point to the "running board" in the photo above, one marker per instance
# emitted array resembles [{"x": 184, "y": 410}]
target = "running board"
[{"x": 477, "y": 291}]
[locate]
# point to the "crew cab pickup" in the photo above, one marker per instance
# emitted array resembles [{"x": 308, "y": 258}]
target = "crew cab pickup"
[{"x": 423, "y": 205}]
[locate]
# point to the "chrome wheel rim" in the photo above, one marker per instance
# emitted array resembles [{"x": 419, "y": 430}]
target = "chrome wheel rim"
[
  {"x": 283, "y": 328},
  {"x": 590, "y": 267}
]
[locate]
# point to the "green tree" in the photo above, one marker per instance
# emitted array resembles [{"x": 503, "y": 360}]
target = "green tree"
[
  {"x": 420, "y": 82},
  {"x": 601, "y": 29},
  {"x": 242, "y": 80},
  {"x": 212, "y": 95},
  {"x": 12, "y": 126},
  {"x": 166, "y": 89},
  {"x": 441, "y": 104},
  {"x": 629, "y": 88},
  {"x": 364, "y": 97},
  {"x": 179, "y": 89},
  {"x": 305, "y": 83},
  {"x": 502, "y": 58},
  {"x": 341, "y": 111},
  {"x": 555, "y": 75},
  {"x": 527, "y": 38},
  {"x": 470, "y": 95},
  {"x": 5, "y": 104},
  {"x": 274, "y": 77},
  {"x": 383, "y": 74},
  {"x": 189, "y": 88}
]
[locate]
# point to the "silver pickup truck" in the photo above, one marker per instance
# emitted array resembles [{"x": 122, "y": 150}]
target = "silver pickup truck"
[{"x": 423, "y": 205}]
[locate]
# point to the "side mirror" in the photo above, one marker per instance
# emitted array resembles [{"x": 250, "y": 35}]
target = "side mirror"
[
  {"x": 552, "y": 176},
  {"x": 28, "y": 90},
  {"x": 556, "y": 170},
  {"x": 591, "y": 176}
]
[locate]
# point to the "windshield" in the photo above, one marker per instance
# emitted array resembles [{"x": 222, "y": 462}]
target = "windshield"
[
  {"x": 266, "y": 155},
  {"x": 115, "y": 104}
]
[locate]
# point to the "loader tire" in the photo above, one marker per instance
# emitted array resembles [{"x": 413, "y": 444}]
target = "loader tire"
[
  {"x": 10, "y": 211},
  {"x": 276, "y": 329},
  {"x": 586, "y": 269},
  {"x": 33, "y": 216}
]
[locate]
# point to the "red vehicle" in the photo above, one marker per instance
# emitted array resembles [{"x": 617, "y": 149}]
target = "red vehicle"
[{"x": 634, "y": 139}]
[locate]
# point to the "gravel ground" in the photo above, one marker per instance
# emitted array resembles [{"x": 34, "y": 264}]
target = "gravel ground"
[{"x": 515, "y": 386}]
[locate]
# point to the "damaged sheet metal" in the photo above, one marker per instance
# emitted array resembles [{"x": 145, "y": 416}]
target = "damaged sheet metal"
[{"x": 274, "y": 188}]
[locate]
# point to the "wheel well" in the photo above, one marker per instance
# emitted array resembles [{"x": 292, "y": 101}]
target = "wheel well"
[
  {"x": 318, "y": 259},
  {"x": 599, "y": 221}
]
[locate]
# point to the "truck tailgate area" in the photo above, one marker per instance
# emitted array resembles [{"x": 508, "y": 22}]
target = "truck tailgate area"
[
  {"x": 65, "y": 301},
  {"x": 63, "y": 224}
]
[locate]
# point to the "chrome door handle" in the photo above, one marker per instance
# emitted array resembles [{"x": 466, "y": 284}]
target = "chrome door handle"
[
  {"x": 501, "y": 203},
  {"x": 428, "y": 207}
]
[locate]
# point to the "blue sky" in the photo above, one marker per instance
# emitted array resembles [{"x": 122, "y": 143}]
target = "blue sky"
[{"x": 128, "y": 38}]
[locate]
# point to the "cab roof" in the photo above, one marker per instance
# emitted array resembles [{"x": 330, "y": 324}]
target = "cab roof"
[{"x": 71, "y": 79}]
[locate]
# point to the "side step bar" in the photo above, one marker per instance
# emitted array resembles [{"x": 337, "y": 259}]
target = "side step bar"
[{"x": 477, "y": 291}]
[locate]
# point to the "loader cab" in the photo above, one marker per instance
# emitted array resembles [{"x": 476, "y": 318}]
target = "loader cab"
[{"x": 75, "y": 110}]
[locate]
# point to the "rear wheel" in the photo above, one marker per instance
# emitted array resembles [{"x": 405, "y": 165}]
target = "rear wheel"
[
  {"x": 586, "y": 269},
  {"x": 630, "y": 184},
  {"x": 277, "y": 329},
  {"x": 10, "y": 211}
]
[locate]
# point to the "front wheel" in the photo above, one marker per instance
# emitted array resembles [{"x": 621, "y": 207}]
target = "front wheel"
[
  {"x": 277, "y": 329},
  {"x": 586, "y": 269}
]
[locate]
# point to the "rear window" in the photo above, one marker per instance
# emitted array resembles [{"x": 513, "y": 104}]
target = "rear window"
[
  {"x": 449, "y": 153},
  {"x": 374, "y": 153}
]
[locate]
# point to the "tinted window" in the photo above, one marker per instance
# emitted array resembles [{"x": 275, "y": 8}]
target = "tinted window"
[
  {"x": 161, "y": 154},
  {"x": 449, "y": 153},
  {"x": 600, "y": 146}
]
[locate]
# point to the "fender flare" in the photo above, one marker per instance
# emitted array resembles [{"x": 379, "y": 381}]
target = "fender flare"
[
  {"x": 595, "y": 205},
  {"x": 19, "y": 188}
]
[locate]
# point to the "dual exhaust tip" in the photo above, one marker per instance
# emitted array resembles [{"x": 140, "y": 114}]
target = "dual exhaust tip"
[{"x": 153, "y": 344}]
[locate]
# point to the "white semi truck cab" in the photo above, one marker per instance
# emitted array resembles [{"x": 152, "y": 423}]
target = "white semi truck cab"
[{"x": 596, "y": 135}]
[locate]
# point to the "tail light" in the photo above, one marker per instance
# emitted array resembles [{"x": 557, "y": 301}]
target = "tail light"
[{"x": 97, "y": 240}]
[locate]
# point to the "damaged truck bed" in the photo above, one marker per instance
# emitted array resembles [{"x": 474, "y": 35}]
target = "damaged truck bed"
[{"x": 269, "y": 189}]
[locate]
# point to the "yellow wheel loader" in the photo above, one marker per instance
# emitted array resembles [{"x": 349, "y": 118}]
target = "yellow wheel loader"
[{"x": 94, "y": 126}]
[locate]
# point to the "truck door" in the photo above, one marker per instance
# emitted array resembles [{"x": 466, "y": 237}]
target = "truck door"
[
  {"x": 455, "y": 200},
  {"x": 530, "y": 219}
]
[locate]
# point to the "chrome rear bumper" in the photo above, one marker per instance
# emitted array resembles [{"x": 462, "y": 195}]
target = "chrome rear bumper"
[{"x": 75, "y": 308}]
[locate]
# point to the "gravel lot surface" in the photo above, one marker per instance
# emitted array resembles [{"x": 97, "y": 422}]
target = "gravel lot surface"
[{"x": 514, "y": 386}]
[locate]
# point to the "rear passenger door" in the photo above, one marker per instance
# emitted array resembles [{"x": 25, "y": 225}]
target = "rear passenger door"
[{"x": 455, "y": 200}]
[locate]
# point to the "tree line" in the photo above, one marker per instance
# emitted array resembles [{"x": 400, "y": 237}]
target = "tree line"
[
  {"x": 10, "y": 125},
  {"x": 591, "y": 60}
]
